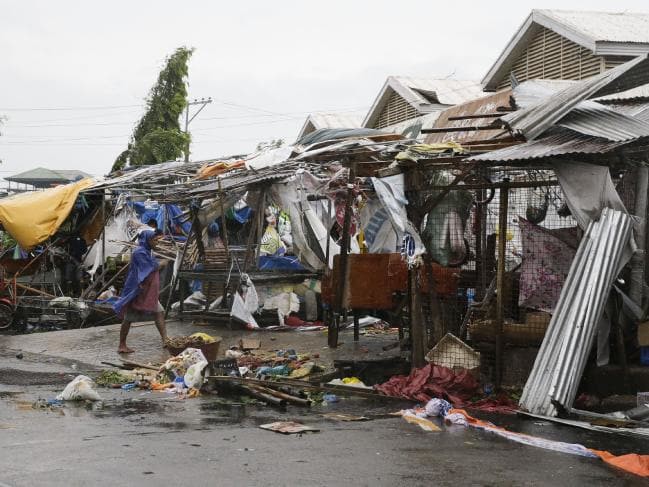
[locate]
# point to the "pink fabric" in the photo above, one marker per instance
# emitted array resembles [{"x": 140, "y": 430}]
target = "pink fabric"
[
  {"x": 546, "y": 262},
  {"x": 147, "y": 299}
]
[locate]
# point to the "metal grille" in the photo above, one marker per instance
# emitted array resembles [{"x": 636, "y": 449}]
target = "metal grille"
[{"x": 540, "y": 239}]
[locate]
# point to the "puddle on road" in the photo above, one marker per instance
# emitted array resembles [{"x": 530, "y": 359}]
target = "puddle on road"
[{"x": 128, "y": 407}]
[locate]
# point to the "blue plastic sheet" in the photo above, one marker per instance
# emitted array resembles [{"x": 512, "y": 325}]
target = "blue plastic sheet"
[
  {"x": 282, "y": 263},
  {"x": 157, "y": 212}
]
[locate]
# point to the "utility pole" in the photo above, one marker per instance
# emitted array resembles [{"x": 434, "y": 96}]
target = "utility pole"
[{"x": 203, "y": 102}]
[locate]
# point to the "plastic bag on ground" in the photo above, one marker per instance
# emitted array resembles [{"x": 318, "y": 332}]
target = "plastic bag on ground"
[
  {"x": 82, "y": 388},
  {"x": 194, "y": 376},
  {"x": 240, "y": 312},
  {"x": 179, "y": 365}
]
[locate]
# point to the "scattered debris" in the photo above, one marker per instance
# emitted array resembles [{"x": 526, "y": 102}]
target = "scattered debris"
[
  {"x": 288, "y": 428},
  {"x": 345, "y": 417},
  {"x": 80, "y": 389},
  {"x": 108, "y": 378},
  {"x": 249, "y": 344}
]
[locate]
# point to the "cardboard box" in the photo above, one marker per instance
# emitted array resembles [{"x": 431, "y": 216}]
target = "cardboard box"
[{"x": 643, "y": 334}]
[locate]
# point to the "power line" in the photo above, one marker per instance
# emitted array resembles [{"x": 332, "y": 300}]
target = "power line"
[
  {"x": 61, "y": 109},
  {"x": 83, "y": 117}
]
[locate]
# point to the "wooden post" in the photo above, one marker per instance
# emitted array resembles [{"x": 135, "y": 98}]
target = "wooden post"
[
  {"x": 327, "y": 315},
  {"x": 255, "y": 230},
  {"x": 500, "y": 278},
  {"x": 103, "y": 237},
  {"x": 176, "y": 280},
  {"x": 357, "y": 327},
  {"x": 416, "y": 212},
  {"x": 223, "y": 223},
  {"x": 417, "y": 328},
  {"x": 329, "y": 223},
  {"x": 341, "y": 289}
]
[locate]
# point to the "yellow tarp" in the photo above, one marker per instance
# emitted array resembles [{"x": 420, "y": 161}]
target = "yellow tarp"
[{"x": 31, "y": 218}]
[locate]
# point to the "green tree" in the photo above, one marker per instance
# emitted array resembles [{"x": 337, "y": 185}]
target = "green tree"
[{"x": 158, "y": 137}]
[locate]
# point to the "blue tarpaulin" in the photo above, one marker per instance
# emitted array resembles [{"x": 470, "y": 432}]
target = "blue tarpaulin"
[
  {"x": 157, "y": 212},
  {"x": 281, "y": 263}
]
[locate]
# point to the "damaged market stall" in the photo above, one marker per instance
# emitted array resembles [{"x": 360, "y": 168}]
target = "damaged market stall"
[
  {"x": 41, "y": 248},
  {"x": 542, "y": 162}
]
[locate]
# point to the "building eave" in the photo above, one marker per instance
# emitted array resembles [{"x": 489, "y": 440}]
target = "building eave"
[{"x": 519, "y": 40}]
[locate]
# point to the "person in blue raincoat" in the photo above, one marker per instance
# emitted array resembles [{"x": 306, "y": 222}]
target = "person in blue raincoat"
[{"x": 139, "y": 300}]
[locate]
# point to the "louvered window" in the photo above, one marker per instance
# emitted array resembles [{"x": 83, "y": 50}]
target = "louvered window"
[
  {"x": 395, "y": 111},
  {"x": 612, "y": 61},
  {"x": 551, "y": 56}
]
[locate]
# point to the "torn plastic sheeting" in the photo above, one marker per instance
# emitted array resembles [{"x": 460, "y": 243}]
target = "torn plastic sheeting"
[
  {"x": 123, "y": 227},
  {"x": 31, "y": 218},
  {"x": 240, "y": 312},
  {"x": 196, "y": 300},
  {"x": 391, "y": 193},
  {"x": 301, "y": 213},
  {"x": 632, "y": 462},
  {"x": 284, "y": 303},
  {"x": 275, "y": 262},
  {"x": 588, "y": 189}
]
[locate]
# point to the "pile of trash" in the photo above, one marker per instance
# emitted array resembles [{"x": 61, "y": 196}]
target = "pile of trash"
[{"x": 284, "y": 363}]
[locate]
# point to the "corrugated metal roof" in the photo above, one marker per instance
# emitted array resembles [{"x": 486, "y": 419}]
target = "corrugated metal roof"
[
  {"x": 604, "y": 26},
  {"x": 590, "y": 118},
  {"x": 336, "y": 120},
  {"x": 424, "y": 94},
  {"x": 638, "y": 93},
  {"x": 529, "y": 92},
  {"x": 536, "y": 119},
  {"x": 561, "y": 142},
  {"x": 602, "y": 33},
  {"x": 239, "y": 180},
  {"x": 443, "y": 91},
  {"x": 315, "y": 121},
  {"x": 587, "y": 117},
  {"x": 412, "y": 128},
  {"x": 43, "y": 175},
  {"x": 486, "y": 104}
]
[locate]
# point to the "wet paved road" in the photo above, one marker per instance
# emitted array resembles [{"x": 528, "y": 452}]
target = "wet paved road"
[
  {"x": 139, "y": 438},
  {"x": 143, "y": 438}
]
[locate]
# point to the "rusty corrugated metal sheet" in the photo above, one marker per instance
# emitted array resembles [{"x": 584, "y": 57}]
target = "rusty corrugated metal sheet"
[
  {"x": 561, "y": 142},
  {"x": 487, "y": 104}
]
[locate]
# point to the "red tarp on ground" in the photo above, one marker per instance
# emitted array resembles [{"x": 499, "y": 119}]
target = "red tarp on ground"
[{"x": 437, "y": 381}]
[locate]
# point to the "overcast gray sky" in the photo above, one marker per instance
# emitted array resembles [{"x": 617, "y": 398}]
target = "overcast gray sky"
[{"x": 75, "y": 73}]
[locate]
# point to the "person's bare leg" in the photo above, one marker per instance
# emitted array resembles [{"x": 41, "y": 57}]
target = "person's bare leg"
[
  {"x": 123, "y": 333},
  {"x": 160, "y": 325}
]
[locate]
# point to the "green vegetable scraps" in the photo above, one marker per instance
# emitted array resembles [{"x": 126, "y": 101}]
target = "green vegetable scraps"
[{"x": 109, "y": 377}]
